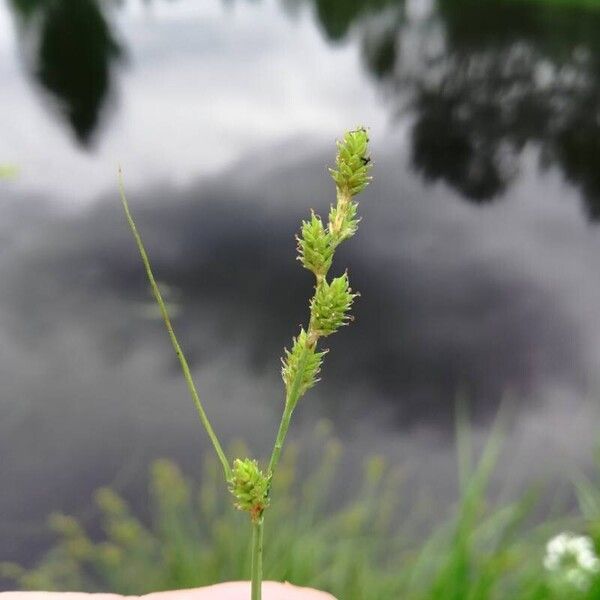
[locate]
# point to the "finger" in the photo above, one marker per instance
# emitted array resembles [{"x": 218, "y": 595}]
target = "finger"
[
  {"x": 240, "y": 590},
  {"x": 57, "y": 596}
]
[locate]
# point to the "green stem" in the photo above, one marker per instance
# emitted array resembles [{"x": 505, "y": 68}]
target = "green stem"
[
  {"x": 292, "y": 397},
  {"x": 178, "y": 351},
  {"x": 290, "y": 403},
  {"x": 257, "y": 551},
  {"x": 284, "y": 425}
]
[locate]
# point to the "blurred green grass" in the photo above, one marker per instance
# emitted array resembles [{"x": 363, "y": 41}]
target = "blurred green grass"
[{"x": 366, "y": 545}]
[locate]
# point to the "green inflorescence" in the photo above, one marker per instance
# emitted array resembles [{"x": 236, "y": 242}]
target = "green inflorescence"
[
  {"x": 249, "y": 486},
  {"x": 353, "y": 163},
  {"x": 343, "y": 221},
  {"x": 329, "y": 310},
  {"x": 315, "y": 246},
  {"x": 301, "y": 364},
  {"x": 331, "y": 303}
]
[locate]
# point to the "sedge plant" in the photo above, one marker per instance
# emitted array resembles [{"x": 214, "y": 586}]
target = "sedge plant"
[{"x": 249, "y": 483}]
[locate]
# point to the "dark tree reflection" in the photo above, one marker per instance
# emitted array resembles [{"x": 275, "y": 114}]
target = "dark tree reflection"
[
  {"x": 72, "y": 55},
  {"x": 490, "y": 78},
  {"x": 338, "y": 16}
]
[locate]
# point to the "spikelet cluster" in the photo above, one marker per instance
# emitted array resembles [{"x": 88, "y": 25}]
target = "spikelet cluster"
[
  {"x": 249, "y": 485},
  {"x": 343, "y": 220},
  {"x": 352, "y": 165},
  {"x": 351, "y": 177},
  {"x": 315, "y": 247},
  {"x": 331, "y": 304},
  {"x": 301, "y": 364}
]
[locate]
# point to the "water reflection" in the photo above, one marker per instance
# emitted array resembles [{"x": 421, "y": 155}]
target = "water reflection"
[
  {"x": 483, "y": 81},
  {"x": 454, "y": 298},
  {"x": 337, "y": 17},
  {"x": 89, "y": 384},
  {"x": 70, "y": 49},
  {"x": 491, "y": 79}
]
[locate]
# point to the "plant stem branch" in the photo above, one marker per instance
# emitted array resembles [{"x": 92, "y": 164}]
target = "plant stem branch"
[
  {"x": 257, "y": 551},
  {"x": 178, "y": 351},
  {"x": 290, "y": 403},
  {"x": 281, "y": 434}
]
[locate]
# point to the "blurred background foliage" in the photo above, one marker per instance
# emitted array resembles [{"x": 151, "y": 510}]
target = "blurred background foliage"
[{"x": 367, "y": 543}]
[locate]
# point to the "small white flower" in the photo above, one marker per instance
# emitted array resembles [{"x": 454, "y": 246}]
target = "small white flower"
[{"x": 572, "y": 559}]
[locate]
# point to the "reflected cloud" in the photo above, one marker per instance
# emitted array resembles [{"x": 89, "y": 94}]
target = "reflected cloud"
[{"x": 430, "y": 325}]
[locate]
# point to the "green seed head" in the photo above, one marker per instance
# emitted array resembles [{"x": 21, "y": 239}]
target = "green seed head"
[
  {"x": 249, "y": 485},
  {"x": 343, "y": 220},
  {"x": 352, "y": 163},
  {"x": 331, "y": 305},
  {"x": 315, "y": 248},
  {"x": 302, "y": 360}
]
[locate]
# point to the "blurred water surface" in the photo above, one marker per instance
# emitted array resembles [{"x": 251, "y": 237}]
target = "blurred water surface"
[{"x": 477, "y": 258}]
